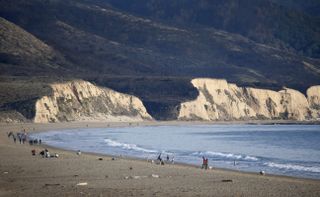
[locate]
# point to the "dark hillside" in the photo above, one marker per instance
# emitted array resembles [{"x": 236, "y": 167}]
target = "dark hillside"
[
  {"x": 263, "y": 21},
  {"x": 310, "y": 7},
  {"x": 21, "y": 53},
  {"x": 153, "y": 50}
]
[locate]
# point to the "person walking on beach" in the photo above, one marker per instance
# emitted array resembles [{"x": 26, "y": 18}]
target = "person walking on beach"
[
  {"x": 203, "y": 162},
  {"x": 206, "y": 164},
  {"x": 159, "y": 158},
  {"x": 10, "y": 134}
]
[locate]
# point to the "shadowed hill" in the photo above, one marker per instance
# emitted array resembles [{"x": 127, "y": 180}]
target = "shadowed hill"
[
  {"x": 288, "y": 24},
  {"x": 21, "y": 53},
  {"x": 152, "y": 57},
  {"x": 310, "y": 7}
]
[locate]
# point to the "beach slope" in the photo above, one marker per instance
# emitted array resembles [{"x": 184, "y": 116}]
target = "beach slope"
[{"x": 22, "y": 174}]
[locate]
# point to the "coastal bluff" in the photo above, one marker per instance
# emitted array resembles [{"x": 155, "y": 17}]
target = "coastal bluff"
[
  {"x": 220, "y": 100},
  {"x": 80, "y": 100}
]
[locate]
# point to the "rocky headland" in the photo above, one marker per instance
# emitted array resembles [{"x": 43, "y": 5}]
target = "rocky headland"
[
  {"x": 82, "y": 101},
  {"x": 220, "y": 100},
  {"x": 217, "y": 100}
]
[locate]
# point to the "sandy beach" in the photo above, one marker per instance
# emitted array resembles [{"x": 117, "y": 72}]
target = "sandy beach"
[{"x": 22, "y": 174}]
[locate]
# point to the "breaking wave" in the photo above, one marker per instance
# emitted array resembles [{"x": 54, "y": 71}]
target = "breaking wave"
[
  {"x": 125, "y": 146},
  {"x": 226, "y": 155},
  {"x": 293, "y": 167}
]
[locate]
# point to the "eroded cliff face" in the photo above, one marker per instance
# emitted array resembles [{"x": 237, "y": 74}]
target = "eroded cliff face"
[
  {"x": 313, "y": 94},
  {"x": 220, "y": 100},
  {"x": 82, "y": 101}
]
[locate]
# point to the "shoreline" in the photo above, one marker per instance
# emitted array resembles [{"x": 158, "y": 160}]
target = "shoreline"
[
  {"x": 185, "y": 165},
  {"x": 44, "y": 127},
  {"x": 181, "y": 168},
  {"x": 172, "y": 122},
  {"x": 88, "y": 125},
  {"x": 127, "y": 124}
]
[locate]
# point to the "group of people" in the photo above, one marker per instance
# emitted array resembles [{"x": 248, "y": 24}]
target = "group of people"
[
  {"x": 205, "y": 161},
  {"x": 167, "y": 159},
  {"x": 22, "y": 137},
  {"x": 35, "y": 141},
  {"x": 45, "y": 153}
]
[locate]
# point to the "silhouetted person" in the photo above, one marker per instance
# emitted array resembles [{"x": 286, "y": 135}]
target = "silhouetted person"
[
  {"x": 159, "y": 157},
  {"x": 203, "y": 162}
]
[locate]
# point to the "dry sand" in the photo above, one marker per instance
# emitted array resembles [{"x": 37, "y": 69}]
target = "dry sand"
[{"x": 22, "y": 174}]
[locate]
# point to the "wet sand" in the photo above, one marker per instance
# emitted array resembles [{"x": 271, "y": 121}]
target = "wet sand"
[{"x": 22, "y": 174}]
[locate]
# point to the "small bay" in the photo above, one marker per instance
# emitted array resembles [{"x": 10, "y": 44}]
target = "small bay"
[{"x": 291, "y": 150}]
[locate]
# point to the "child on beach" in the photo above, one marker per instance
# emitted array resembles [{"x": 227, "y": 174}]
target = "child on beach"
[{"x": 47, "y": 154}]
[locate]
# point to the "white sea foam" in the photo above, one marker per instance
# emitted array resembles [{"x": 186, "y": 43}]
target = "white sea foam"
[
  {"x": 227, "y": 155},
  {"x": 293, "y": 167},
  {"x": 251, "y": 158},
  {"x": 128, "y": 146}
]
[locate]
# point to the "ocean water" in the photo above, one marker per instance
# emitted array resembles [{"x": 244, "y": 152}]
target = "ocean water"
[{"x": 292, "y": 150}]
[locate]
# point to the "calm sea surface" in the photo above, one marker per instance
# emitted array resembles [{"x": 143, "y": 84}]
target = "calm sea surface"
[{"x": 292, "y": 150}]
